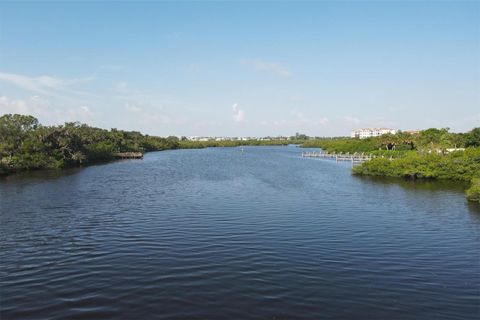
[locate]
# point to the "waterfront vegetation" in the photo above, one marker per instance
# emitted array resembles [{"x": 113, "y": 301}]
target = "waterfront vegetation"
[
  {"x": 25, "y": 144},
  {"x": 428, "y": 154},
  {"x": 473, "y": 193},
  {"x": 457, "y": 165},
  {"x": 187, "y": 144},
  {"x": 437, "y": 140},
  {"x": 434, "y": 154}
]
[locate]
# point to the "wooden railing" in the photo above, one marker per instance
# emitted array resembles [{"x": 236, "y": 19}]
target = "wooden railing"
[
  {"x": 128, "y": 155},
  {"x": 353, "y": 157}
]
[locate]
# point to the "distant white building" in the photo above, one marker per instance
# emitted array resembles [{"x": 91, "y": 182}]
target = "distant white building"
[
  {"x": 448, "y": 150},
  {"x": 371, "y": 132},
  {"x": 195, "y": 138}
]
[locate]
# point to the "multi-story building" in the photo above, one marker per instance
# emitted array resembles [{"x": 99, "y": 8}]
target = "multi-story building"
[{"x": 371, "y": 132}]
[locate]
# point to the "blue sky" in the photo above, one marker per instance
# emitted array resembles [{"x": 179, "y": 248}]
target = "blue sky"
[{"x": 243, "y": 68}]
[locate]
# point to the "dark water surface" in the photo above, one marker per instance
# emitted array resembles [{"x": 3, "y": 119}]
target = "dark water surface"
[{"x": 221, "y": 234}]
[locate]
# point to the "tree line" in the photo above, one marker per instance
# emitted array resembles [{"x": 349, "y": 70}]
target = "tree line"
[
  {"x": 428, "y": 140},
  {"x": 429, "y": 154},
  {"x": 25, "y": 144},
  {"x": 457, "y": 165}
]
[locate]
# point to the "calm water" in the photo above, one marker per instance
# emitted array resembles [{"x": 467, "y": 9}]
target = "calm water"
[{"x": 221, "y": 234}]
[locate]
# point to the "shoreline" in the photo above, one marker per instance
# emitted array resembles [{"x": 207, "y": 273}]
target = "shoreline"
[
  {"x": 471, "y": 187},
  {"x": 462, "y": 166}
]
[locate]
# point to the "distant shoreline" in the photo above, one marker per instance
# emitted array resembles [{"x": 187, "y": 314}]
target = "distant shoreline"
[{"x": 27, "y": 145}]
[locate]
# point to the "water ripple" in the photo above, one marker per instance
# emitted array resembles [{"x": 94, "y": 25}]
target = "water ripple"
[{"x": 216, "y": 233}]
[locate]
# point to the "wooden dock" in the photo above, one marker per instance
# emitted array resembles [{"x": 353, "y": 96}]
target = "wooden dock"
[
  {"x": 354, "y": 158},
  {"x": 128, "y": 155}
]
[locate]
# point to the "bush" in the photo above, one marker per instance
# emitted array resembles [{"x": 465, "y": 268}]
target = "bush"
[
  {"x": 473, "y": 193},
  {"x": 461, "y": 166}
]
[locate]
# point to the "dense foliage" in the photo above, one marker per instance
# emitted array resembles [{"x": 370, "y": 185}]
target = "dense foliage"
[
  {"x": 27, "y": 145},
  {"x": 454, "y": 166},
  {"x": 426, "y": 140},
  {"x": 473, "y": 193},
  {"x": 459, "y": 165},
  {"x": 423, "y": 155}
]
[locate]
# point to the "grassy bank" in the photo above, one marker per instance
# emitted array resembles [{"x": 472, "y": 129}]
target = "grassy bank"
[{"x": 460, "y": 166}]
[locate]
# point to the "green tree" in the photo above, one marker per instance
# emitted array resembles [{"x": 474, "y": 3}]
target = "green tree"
[
  {"x": 13, "y": 130},
  {"x": 472, "y": 138}
]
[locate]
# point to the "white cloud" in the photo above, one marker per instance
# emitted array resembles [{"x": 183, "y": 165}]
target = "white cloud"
[
  {"x": 23, "y": 82},
  {"x": 45, "y": 85},
  {"x": 85, "y": 109},
  {"x": 238, "y": 114},
  {"x": 33, "y": 105},
  {"x": 81, "y": 113},
  {"x": 263, "y": 66},
  {"x": 44, "y": 110}
]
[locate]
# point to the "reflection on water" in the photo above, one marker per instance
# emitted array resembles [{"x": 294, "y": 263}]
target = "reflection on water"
[
  {"x": 220, "y": 233},
  {"x": 426, "y": 186},
  {"x": 40, "y": 175},
  {"x": 410, "y": 184}
]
